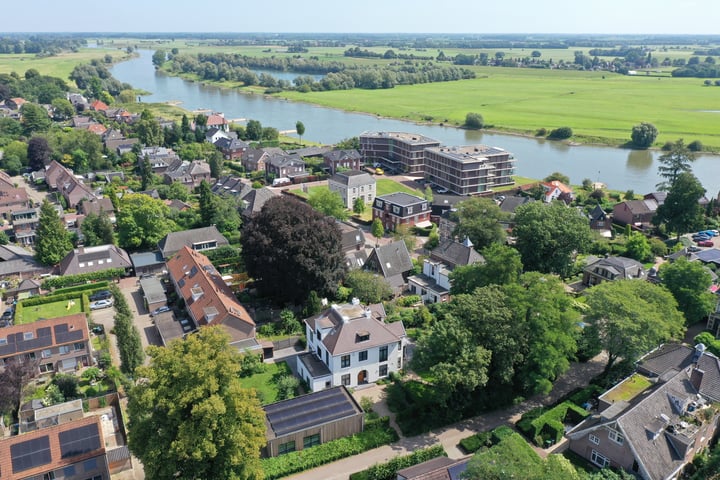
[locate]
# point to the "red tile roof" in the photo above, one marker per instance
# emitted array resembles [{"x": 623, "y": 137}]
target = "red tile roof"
[{"x": 99, "y": 105}]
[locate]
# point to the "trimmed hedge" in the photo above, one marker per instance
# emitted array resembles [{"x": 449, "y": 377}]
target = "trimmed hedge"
[
  {"x": 388, "y": 470},
  {"x": 69, "y": 280},
  {"x": 42, "y": 300},
  {"x": 81, "y": 288},
  {"x": 373, "y": 436},
  {"x": 538, "y": 424},
  {"x": 485, "y": 439}
]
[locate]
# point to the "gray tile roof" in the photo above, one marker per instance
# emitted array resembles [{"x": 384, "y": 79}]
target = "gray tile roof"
[
  {"x": 353, "y": 178},
  {"x": 94, "y": 259},
  {"x": 339, "y": 155},
  {"x": 174, "y": 241},
  {"x": 454, "y": 253},
  {"x": 402, "y": 199},
  {"x": 391, "y": 259},
  {"x": 146, "y": 259},
  {"x": 256, "y": 198}
]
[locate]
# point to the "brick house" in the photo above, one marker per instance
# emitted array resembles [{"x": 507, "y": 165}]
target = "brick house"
[
  {"x": 401, "y": 208},
  {"x": 346, "y": 159}
]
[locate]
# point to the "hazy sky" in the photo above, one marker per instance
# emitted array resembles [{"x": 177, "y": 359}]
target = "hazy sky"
[{"x": 371, "y": 16}]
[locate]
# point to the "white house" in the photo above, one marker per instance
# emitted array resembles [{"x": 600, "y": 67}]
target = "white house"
[
  {"x": 353, "y": 184},
  {"x": 433, "y": 285},
  {"x": 351, "y": 345}
]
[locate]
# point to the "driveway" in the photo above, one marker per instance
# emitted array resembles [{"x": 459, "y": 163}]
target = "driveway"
[
  {"x": 141, "y": 317},
  {"x": 106, "y": 318}
]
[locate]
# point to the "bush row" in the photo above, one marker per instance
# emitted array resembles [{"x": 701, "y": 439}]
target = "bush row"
[
  {"x": 538, "y": 424},
  {"x": 388, "y": 470},
  {"x": 372, "y": 437},
  {"x": 128, "y": 337},
  {"x": 42, "y": 300},
  {"x": 81, "y": 288},
  {"x": 69, "y": 280},
  {"x": 480, "y": 440}
]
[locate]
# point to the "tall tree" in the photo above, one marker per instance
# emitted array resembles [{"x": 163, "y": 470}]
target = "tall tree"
[
  {"x": 631, "y": 317},
  {"x": 677, "y": 160},
  {"x": 17, "y": 372},
  {"x": 53, "y": 241},
  {"x": 34, "y": 118},
  {"x": 97, "y": 229},
  {"x": 291, "y": 249},
  {"x": 148, "y": 130},
  {"x": 367, "y": 286},
  {"x": 254, "y": 130},
  {"x": 159, "y": 58},
  {"x": 479, "y": 219},
  {"x": 643, "y": 135},
  {"x": 190, "y": 417},
  {"x": 377, "y": 230},
  {"x": 208, "y": 204},
  {"x": 142, "y": 221},
  {"x": 502, "y": 266},
  {"x": 681, "y": 212},
  {"x": 146, "y": 174},
  {"x": 328, "y": 202},
  {"x": 549, "y": 235},
  {"x": 38, "y": 153},
  {"x": 359, "y": 206},
  {"x": 216, "y": 164},
  {"x": 300, "y": 130},
  {"x": 689, "y": 282}
]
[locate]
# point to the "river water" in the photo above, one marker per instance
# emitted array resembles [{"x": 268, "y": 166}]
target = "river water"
[{"x": 618, "y": 168}]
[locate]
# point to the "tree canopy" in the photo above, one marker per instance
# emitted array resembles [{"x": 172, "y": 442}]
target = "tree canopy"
[
  {"x": 478, "y": 219},
  {"x": 53, "y": 241},
  {"x": 290, "y": 249},
  {"x": 367, "y": 286},
  {"x": 549, "y": 235},
  {"x": 675, "y": 161},
  {"x": 681, "y": 212},
  {"x": 97, "y": 229},
  {"x": 643, "y": 135},
  {"x": 328, "y": 202},
  {"x": 142, "y": 221},
  {"x": 631, "y": 317},
  {"x": 189, "y": 416},
  {"x": 689, "y": 283},
  {"x": 502, "y": 265}
]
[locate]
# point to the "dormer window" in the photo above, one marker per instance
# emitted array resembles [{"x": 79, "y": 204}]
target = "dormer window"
[{"x": 363, "y": 336}]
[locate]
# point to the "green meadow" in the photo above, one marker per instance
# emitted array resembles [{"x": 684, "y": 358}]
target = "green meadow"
[{"x": 59, "y": 65}]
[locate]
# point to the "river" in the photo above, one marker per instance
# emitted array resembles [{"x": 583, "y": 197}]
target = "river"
[{"x": 619, "y": 169}]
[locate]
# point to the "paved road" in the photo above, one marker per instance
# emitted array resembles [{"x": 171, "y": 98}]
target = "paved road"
[{"x": 577, "y": 376}]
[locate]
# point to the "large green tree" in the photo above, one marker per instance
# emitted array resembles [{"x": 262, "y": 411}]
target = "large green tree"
[
  {"x": 502, "y": 265},
  {"x": 479, "y": 219},
  {"x": 98, "y": 229},
  {"x": 38, "y": 153},
  {"x": 52, "y": 240},
  {"x": 300, "y": 129},
  {"x": 328, "y": 202},
  {"x": 549, "y": 235},
  {"x": 675, "y": 161},
  {"x": 681, "y": 212},
  {"x": 142, "y": 221},
  {"x": 631, "y": 317},
  {"x": 189, "y": 416},
  {"x": 368, "y": 286},
  {"x": 291, "y": 249},
  {"x": 34, "y": 118},
  {"x": 689, "y": 282},
  {"x": 643, "y": 135}
]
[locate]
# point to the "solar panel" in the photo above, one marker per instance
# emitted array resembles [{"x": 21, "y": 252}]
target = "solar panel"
[
  {"x": 309, "y": 410},
  {"x": 79, "y": 440},
  {"x": 69, "y": 336},
  {"x": 62, "y": 328},
  {"x": 30, "y": 454}
]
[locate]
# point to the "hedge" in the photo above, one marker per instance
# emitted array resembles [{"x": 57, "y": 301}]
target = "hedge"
[
  {"x": 33, "y": 301},
  {"x": 388, "y": 470},
  {"x": 372, "y": 437},
  {"x": 475, "y": 442},
  {"x": 539, "y": 425},
  {"x": 69, "y": 280},
  {"x": 81, "y": 288}
]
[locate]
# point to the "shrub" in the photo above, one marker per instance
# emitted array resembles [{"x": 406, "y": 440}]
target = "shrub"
[
  {"x": 474, "y": 120},
  {"x": 409, "y": 300},
  {"x": 695, "y": 146},
  {"x": 539, "y": 425},
  {"x": 541, "y": 132},
  {"x": 373, "y": 436},
  {"x": 68, "y": 280},
  {"x": 561, "y": 133},
  {"x": 643, "y": 135}
]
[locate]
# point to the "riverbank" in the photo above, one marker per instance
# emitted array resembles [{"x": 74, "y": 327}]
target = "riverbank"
[{"x": 601, "y": 110}]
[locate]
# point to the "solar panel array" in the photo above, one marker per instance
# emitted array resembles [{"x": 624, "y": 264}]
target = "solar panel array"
[
  {"x": 79, "y": 440},
  {"x": 309, "y": 410},
  {"x": 16, "y": 342},
  {"x": 30, "y": 454}
]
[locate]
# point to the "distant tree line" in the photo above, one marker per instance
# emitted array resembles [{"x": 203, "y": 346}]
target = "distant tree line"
[
  {"x": 389, "y": 54},
  {"x": 700, "y": 70},
  {"x": 338, "y": 76},
  {"x": 39, "y": 44}
]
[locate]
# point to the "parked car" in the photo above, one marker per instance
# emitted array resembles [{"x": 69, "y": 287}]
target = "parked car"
[
  {"x": 101, "y": 295},
  {"x": 705, "y": 243},
  {"x": 709, "y": 233},
  {"x": 694, "y": 249},
  {"x": 101, "y": 304},
  {"x": 7, "y": 315},
  {"x": 699, "y": 238},
  {"x": 160, "y": 310},
  {"x": 98, "y": 330},
  {"x": 441, "y": 190},
  {"x": 379, "y": 171}
]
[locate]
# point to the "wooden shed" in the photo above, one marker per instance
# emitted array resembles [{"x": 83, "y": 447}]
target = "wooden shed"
[{"x": 310, "y": 420}]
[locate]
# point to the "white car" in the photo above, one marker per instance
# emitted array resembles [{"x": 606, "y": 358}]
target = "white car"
[{"x": 101, "y": 304}]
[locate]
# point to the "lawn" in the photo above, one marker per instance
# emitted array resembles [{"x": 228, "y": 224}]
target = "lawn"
[
  {"x": 49, "y": 310},
  {"x": 627, "y": 389},
  {"x": 264, "y": 383},
  {"x": 384, "y": 186}
]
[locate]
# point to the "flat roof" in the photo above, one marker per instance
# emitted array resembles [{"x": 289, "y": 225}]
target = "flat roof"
[
  {"x": 415, "y": 138},
  {"x": 475, "y": 153},
  {"x": 311, "y": 410},
  {"x": 153, "y": 290}
]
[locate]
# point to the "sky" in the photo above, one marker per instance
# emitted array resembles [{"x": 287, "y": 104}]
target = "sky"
[{"x": 366, "y": 16}]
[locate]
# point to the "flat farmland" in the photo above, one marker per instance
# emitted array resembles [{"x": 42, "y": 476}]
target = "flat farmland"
[
  {"x": 599, "y": 106},
  {"x": 59, "y": 65}
]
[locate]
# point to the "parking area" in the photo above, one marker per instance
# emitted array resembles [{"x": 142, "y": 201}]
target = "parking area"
[{"x": 141, "y": 317}]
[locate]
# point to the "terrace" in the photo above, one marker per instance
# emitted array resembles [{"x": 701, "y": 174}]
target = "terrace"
[{"x": 627, "y": 390}]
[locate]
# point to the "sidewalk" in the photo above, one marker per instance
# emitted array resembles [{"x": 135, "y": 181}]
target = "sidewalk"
[{"x": 450, "y": 436}]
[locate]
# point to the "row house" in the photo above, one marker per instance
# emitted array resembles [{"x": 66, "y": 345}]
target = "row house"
[
  {"x": 208, "y": 299},
  {"x": 25, "y": 223},
  {"x": 67, "y": 184},
  {"x": 344, "y": 159},
  {"x": 401, "y": 208},
  {"x": 353, "y": 184},
  {"x": 56, "y": 344},
  {"x": 469, "y": 170},
  {"x": 433, "y": 285},
  {"x": 396, "y": 151},
  {"x": 351, "y": 345}
]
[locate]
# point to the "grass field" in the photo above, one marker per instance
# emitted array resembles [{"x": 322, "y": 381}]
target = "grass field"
[
  {"x": 628, "y": 389},
  {"x": 58, "y": 66},
  {"x": 264, "y": 382},
  {"x": 49, "y": 310}
]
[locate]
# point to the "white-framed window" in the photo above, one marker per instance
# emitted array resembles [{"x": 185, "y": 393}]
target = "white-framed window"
[
  {"x": 46, "y": 353},
  {"x": 594, "y": 439},
  {"x": 599, "y": 460},
  {"x": 64, "y": 349},
  {"x": 345, "y": 379},
  {"x": 28, "y": 336},
  {"x": 616, "y": 437}
]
